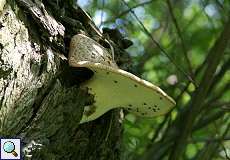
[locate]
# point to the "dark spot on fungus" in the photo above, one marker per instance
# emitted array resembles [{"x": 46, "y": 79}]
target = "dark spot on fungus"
[
  {"x": 149, "y": 107},
  {"x": 93, "y": 55},
  {"x": 160, "y": 97},
  {"x": 144, "y": 103},
  {"x": 91, "y": 110},
  {"x": 107, "y": 72},
  {"x": 103, "y": 59},
  {"x": 155, "y": 106},
  {"x": 135, "y": 85},
  {"x": 109, "y": 57},
  {"x": 130, "y": 105},
  {"x": 137, "y": 110},
  {"x": 129, "y": 109},
  {"x": 143, "y": 114},
  {"x": 154, "y": 110},
  {"x": 115, "y": 81}
]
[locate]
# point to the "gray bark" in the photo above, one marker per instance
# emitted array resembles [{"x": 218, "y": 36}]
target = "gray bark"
[{"x": 40, "y": 101}]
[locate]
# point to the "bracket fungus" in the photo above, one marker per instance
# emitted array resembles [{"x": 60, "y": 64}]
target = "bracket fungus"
[{"x": 113, "y": 87}]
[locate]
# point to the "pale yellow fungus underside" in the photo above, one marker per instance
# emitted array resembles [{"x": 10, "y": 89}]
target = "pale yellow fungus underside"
[{"x": 113, "y": 87}]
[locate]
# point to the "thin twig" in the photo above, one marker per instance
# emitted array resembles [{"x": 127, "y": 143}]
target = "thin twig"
[
  {"x": 135, "y": 6},
  {"x": 210, "y": 19},
  {"x": 222, "y": 137},
  {"x": 184, "y": 49},
  {"x": 128, "y": 10},
  {"x": 219, "y": 93},
  {"x": 205, "y": 139},
  {"x": 208, "y": 119},
  {"x": 223, "y": 70},
  {"x": 159, "y": 46},
  {"x": 160, "y": 126}
]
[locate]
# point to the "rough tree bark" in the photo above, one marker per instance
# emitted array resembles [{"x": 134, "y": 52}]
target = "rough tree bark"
[{"x": 40, "y": 99}]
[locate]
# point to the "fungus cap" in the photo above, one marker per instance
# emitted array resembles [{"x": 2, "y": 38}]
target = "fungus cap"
[
  {"x": 83, "y": 48},
  {"x": 116, "y": 88}
]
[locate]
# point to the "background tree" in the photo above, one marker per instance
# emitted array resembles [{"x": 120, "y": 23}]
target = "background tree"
[{"x": 182, "y": 46}]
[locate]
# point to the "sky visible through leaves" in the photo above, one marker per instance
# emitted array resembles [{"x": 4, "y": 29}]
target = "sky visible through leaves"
[{"x": 172, "y": 40}]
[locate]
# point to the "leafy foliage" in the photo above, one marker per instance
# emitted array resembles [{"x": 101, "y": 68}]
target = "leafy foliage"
[{"x": 187, "y": 31}]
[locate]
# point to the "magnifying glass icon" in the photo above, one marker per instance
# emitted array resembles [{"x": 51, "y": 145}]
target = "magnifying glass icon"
[{"x": 9, "y": 147}]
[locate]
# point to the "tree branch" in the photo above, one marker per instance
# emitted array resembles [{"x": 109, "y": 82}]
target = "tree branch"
[{"x": 200, "y": 94}]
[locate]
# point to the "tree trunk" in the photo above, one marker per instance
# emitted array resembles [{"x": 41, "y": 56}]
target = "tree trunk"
[{"x": 40, "y": 99}]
